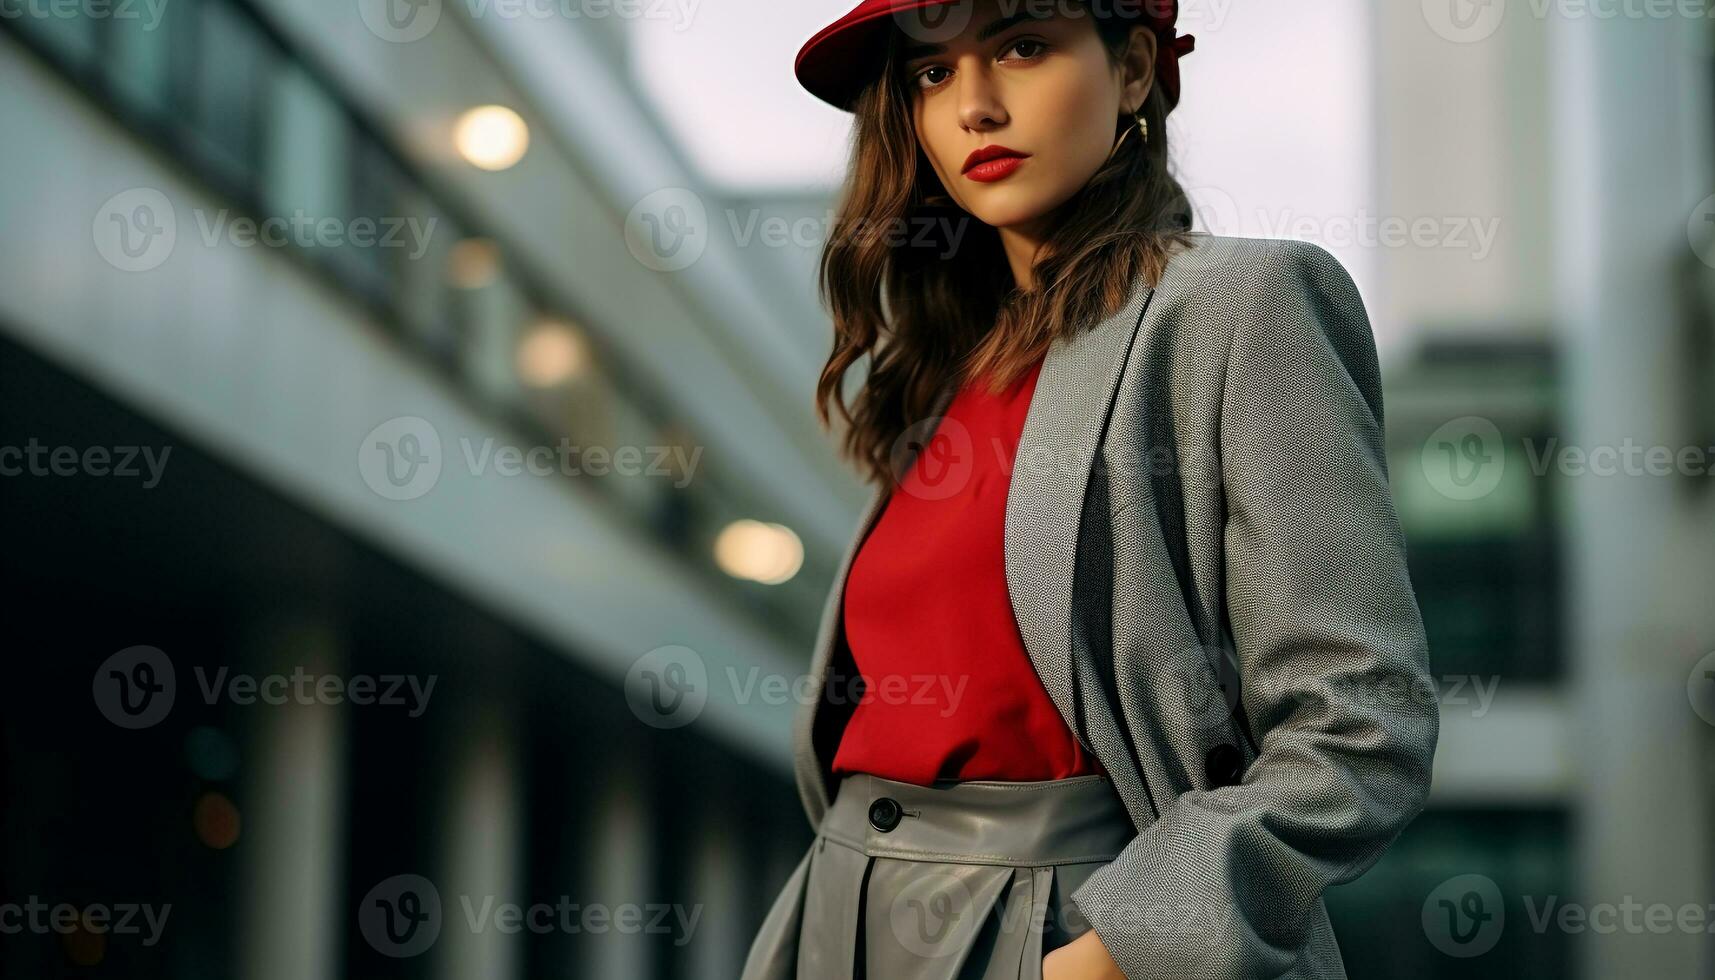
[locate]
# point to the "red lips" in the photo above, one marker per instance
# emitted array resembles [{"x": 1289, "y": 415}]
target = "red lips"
[{"x": 994, "y": 151}]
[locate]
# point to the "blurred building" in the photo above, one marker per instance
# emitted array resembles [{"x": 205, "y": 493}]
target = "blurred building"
[
  {"x": 436, "y": 361},
  {"x": 420, "y": 416},
  {"x": 1562, "y": 572}
]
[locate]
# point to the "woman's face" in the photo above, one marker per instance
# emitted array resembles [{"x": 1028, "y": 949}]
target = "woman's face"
[{"x": 1042, "y": 86}]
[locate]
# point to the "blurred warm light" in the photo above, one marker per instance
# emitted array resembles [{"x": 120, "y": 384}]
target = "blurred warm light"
[
  {"x": 550, "y": 354},
  {"x": 86, "y": 943},
  {"x": 766, "y": 553},
  {"x": 474, "y": 263},
  {"x": 492, "y": 137},
  {"x": 216, "y": 821}
]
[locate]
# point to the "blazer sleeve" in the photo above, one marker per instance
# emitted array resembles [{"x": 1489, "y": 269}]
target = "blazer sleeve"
[{"x": 1332, "y": 657}]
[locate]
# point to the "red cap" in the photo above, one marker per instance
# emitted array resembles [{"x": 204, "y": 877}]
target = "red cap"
[{"x": 835, "y": 64}]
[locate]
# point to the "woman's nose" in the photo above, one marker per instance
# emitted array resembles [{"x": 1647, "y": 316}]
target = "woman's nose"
[{"x": 980, "y": 105}]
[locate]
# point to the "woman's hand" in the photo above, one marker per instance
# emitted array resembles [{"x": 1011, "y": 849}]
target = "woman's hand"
[{"x": 1084, "y": 958}]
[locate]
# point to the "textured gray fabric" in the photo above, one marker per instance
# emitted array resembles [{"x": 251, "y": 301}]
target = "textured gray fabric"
[
  {"x": 972, "y": 882},
  {"x": 1206, "y": 565}
]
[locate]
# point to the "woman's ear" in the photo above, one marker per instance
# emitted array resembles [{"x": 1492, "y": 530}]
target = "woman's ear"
[{"x": 1137, "y": 68}]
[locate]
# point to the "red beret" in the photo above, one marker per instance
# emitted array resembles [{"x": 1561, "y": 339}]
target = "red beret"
[{"x": 841, "y": 58}]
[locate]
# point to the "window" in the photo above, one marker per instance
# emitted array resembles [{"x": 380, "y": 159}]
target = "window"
[
  {"x": 233, "y": 63},
  {"x": 137, "y": 60}
]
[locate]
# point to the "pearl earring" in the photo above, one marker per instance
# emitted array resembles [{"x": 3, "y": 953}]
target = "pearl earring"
[{"x": 1142, "y": 127}]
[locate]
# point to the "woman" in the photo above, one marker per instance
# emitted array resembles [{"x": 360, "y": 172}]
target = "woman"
[{"x": 1123, "y": 667}]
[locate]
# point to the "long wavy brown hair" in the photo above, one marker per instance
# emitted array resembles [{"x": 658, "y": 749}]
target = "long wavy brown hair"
[{"x": 924, "y": 289}]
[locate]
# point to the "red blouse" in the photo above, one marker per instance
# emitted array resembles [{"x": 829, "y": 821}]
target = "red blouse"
[{"x": 949, "y": 690}]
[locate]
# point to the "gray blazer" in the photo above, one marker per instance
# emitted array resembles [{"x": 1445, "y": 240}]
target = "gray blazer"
[{"x": 1210, "y": 580}]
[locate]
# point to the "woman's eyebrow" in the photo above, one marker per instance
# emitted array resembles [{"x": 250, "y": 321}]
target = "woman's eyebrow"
[{"x": 999, "y": 24}]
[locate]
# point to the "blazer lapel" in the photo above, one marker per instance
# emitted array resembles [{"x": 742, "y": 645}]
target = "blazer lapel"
[{"x": 1045, "y": 497}]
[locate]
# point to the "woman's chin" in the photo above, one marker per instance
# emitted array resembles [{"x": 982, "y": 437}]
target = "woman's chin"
[{"x": 1004, "y": 209}]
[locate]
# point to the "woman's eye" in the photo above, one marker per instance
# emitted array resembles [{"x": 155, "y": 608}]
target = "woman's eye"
[
  {"x": 1028, "y": 49},
  {"x": 1031, "y": 43},
  {"x": 923, "y": 79}
]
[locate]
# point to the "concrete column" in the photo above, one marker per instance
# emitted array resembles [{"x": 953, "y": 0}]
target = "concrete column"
[
  {"x": 294, "y": 822},
  {"x": 620, "y": 871},
  {"x": 1630, "y": 171},
  {"x": 718, "y": 942},
  {"x": 482, "y": 851}
]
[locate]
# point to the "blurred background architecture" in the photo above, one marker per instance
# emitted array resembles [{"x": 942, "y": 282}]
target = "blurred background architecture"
[{"x": 394, "y": 393}]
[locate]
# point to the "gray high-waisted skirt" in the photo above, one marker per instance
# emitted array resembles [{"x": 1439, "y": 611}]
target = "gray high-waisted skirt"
[{"x": 957, "y": 880}]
